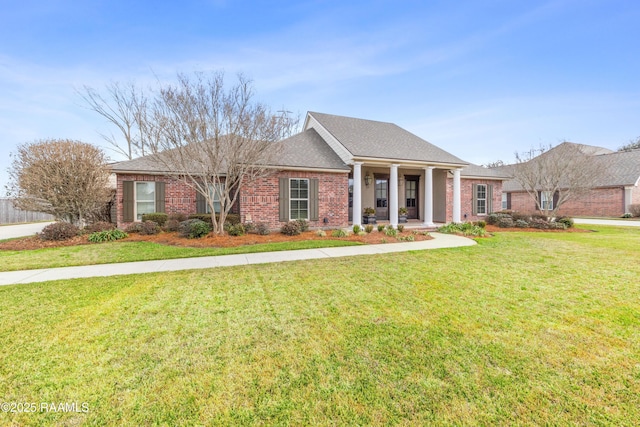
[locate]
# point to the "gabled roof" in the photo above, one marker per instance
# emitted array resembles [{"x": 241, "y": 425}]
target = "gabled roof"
[
  {"x": 308, "y": 150},
  {"x": 373, "y": 139},
  {"x": 475, "y": 171}
]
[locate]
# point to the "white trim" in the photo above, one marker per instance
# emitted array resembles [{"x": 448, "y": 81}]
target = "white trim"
[
  {"x": 356, "y": 210},
  {"x": 456, "y": 196},
  {"x": 307, "y": 199},
  {"x": 486, "y": 190},
  {"x": 135, "y": 198},
  {"x": 393, "y": 195},
  {"x": 342, "y": 152},
  {"x": 428, "y": 196}
]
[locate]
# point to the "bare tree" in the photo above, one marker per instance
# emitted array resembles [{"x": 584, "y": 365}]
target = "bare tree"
[
  {"x": 65, "y": 178},
  {"x": 214, "y": 138},
  {"x": 552, "y": 176},
  {"x": 122, "y": 106},
  {"x": 495, "y": 164},
  {"x": 633, "y": 144}
]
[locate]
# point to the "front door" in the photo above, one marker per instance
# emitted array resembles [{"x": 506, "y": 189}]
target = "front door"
[
  {"x": 411, "y": 197},
  {"x": 382, "y": 197}
]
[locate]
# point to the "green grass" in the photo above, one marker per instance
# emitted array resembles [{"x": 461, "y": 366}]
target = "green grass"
[
  {"x": 522, "y": 329},
  {"x": 123, "y": 251}
]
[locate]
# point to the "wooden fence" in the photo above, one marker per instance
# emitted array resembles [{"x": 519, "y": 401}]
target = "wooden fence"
[{"x": 11, "y": 215}]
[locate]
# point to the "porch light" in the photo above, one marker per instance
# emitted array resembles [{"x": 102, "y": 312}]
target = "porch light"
[{"x": 367, "y": 179}]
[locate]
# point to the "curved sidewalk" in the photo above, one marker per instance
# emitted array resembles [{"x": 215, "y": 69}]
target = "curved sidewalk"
[{"x": 102, "y": 270}]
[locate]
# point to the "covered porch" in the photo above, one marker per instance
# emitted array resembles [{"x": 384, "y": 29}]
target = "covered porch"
[{"x": 422, "y": 189}]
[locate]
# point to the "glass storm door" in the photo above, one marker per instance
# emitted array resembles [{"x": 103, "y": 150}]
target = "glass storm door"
[
  {"x": 411, "y": 198},
  {"x": 382, "y": 198}
]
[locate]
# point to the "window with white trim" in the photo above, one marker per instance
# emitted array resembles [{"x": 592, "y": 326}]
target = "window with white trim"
[
  {"x": 481, "y": 199},
  {"x": 505, "y": 204},
  {"x": 546, "y": 200},
  {"x": 145, "y": 198},
  {"x": 298, "y": 198},
  {"x": 215, "y": 190}
]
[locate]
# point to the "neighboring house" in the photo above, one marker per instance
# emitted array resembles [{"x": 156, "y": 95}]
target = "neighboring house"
[
  {"x": 615, "y": 190},
  {"x": 328, "y": 174}
]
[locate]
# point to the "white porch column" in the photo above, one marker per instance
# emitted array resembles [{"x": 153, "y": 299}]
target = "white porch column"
[
  {"x": 393, "y": 196},
  {"x": 628, "y": 193},
  {"x": 456, "y": 195},
  {"x": 428, "y": 196},
  {"x": 357, "y": 194}
]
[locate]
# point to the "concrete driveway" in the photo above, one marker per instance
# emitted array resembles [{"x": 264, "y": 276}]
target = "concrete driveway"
[
  {"x": 616, "y": 222},
  {"x": 21, "y": 230}
]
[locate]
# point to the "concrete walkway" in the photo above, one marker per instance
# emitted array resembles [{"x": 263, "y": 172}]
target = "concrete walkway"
[
  {"x": 615, "y": 222},
  {"x": 30, "y": 276},
  {"x": 21, "y": 230}
]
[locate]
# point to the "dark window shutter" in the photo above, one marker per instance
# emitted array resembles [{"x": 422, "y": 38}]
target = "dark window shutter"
[
  {"x": 474, "y": 199},
  {"x": 284, "y": 200},
  {"x": 128, "y": 201},
  {"x": 509, "y": 201},
  {"x": 556, "y": 197},
  {"x": 535, "y": 207},
  {"x": 313, "y": 199},
  {"x": 160, "y": 196},
  {"x": 489, "y": 199},
  {"x": 201, "y": 203}
]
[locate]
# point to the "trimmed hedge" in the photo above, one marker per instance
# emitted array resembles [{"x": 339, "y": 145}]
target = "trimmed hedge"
[
  {"x": 194, "y": 228},
  {"x": 159, "y": 218},
  {"x": 232, "y": 219}
]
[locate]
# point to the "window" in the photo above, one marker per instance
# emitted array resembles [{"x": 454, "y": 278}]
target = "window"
[
  {"x": 145, "y": 198},
  {"x": 298, "y": 198},
  {"x": 505, "y": 204},
  {"x": 546, "y": 201},
  {"x": 481, "y": 199},
  {"x": 215, "y": 190}
]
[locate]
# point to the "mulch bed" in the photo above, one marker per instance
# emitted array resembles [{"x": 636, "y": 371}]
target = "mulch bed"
[{"x": 211, "y": 240}]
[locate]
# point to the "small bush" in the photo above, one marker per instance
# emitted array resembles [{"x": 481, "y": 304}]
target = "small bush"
[
  {"x": 400, "y": 228},
  {"x": 481, "y": 224},
  {"x": 157, "y": 217},
  {"x": 291, "y": 228},
  {"x": 356, "y": 229},
  {"x": 235, "y": 229},
  {"x": 627, "y": 215},
  {"x": 339, "y": 233},
  {"x": 194, "y": 228},
  {"x": 133, "y": 228},
  {"x": 262, "y": 228},
  {"x": 521, "y": 223},
  {"x": 149, "y": 228},
  {"x": 177, "y": 217},
  {"x": 249, "y": 227},
  {"x": 539, "y": 224},
  {"x": 304, "y": 225},
  {"x": 99, "y": 226},
  {"x": 59, "y": 231},
  {"x": 368, "y": 228},
  {"x": 172, "y": 225},
  {"x": 567, "y": 221},
  {"x": 493, "y": 218},
  {"x": 107, "y": 235},
  {"x": 505, "y": 222},
  {"x": 391, "y": 232},
  {"x": 635, "y": 210},
  {"x": 466, "y": 229},
  {"x": 380, "y": 228},
  {"x": 321, "y": 233},
  {"x": 409, "y": 238}
]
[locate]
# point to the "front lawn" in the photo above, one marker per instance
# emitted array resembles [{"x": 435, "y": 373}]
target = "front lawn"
[{"x": 523, "y": 328}]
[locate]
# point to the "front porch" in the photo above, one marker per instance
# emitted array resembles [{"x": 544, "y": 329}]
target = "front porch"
[
  {"x": 429, "y": 195},
  {"x": 411, "y": 224}
]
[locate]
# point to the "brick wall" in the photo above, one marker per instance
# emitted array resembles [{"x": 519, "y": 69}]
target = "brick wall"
[
  {"x": 466, "y": 198},
  {"x": 259, "y": 200},
  {"x": 597, "y": 202},
  {"x": 179, "y": 197}
]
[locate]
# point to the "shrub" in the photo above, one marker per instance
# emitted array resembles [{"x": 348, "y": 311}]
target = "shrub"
[
  {"x": 249, "y": 227},
  {"x": 368, "y": 228},
  {"x": 134, "y": 227},
  {"x": 339, "y": 233},
  {"x": 390, "y": 231},
  {"x": 172, "y": 225},
  {"x": 304, "y": 225},
  {"x": 567, "y": 221},
  {"x": 99, "y": 226},
  {"x": 262, "y": 228},
  {"x": 157, "y": 217},
  {"x": 235, "y": 229},
  {"x": 493, "y": 218},
  {"x": 627, "y": 215},
  {"x": 635, "y": 210},
  {"x": 539, "y": 224},
  {"x": 505, "y": 222},
  {"x": 380, "y": 228},
  {"x": 107, "y": 235},
  {"x": 409, "y": 238},
  {"x": 521, "y": 223},
  {"x": 149, "y": 228},
  {"x": 177, "y": 217},
  {"x": 481, "y": 224},
  {"x": 59, "y": 231},
  {"x": 321, "y": 233},
  {"x": 400, "y": 228},
  {"x": 232, "y": 219},
  {"x": 291, "y": 228},
  {"x": 466, "y": 229},
  {"x": 194, "y": 228},
  {"x": 356, "y": 229}
]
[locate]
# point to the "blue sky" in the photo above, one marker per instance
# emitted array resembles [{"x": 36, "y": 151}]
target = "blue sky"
[{"x": 481, "y": 79}]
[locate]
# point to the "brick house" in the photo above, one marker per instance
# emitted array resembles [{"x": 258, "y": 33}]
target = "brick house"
[
  {"x": 615, "y": 190},
  {"x": 328, "y": 174}
]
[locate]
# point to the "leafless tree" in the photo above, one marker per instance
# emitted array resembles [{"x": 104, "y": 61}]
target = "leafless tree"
[
  {"x": 633, "y": 144},
  {"x": 557, "y": 174},
  {"x": 215, "y": 138},
  {"x": 65, "y": 178},
  {"x": 121, "y": 105},
  {"x": 494, "y": 164}
]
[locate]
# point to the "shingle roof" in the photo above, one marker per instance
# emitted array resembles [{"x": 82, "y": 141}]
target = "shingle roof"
[
  {"x": 478, "y": 171},
  {"x": 368, "y": 138},
  {"x": 308, "y": 150}
]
